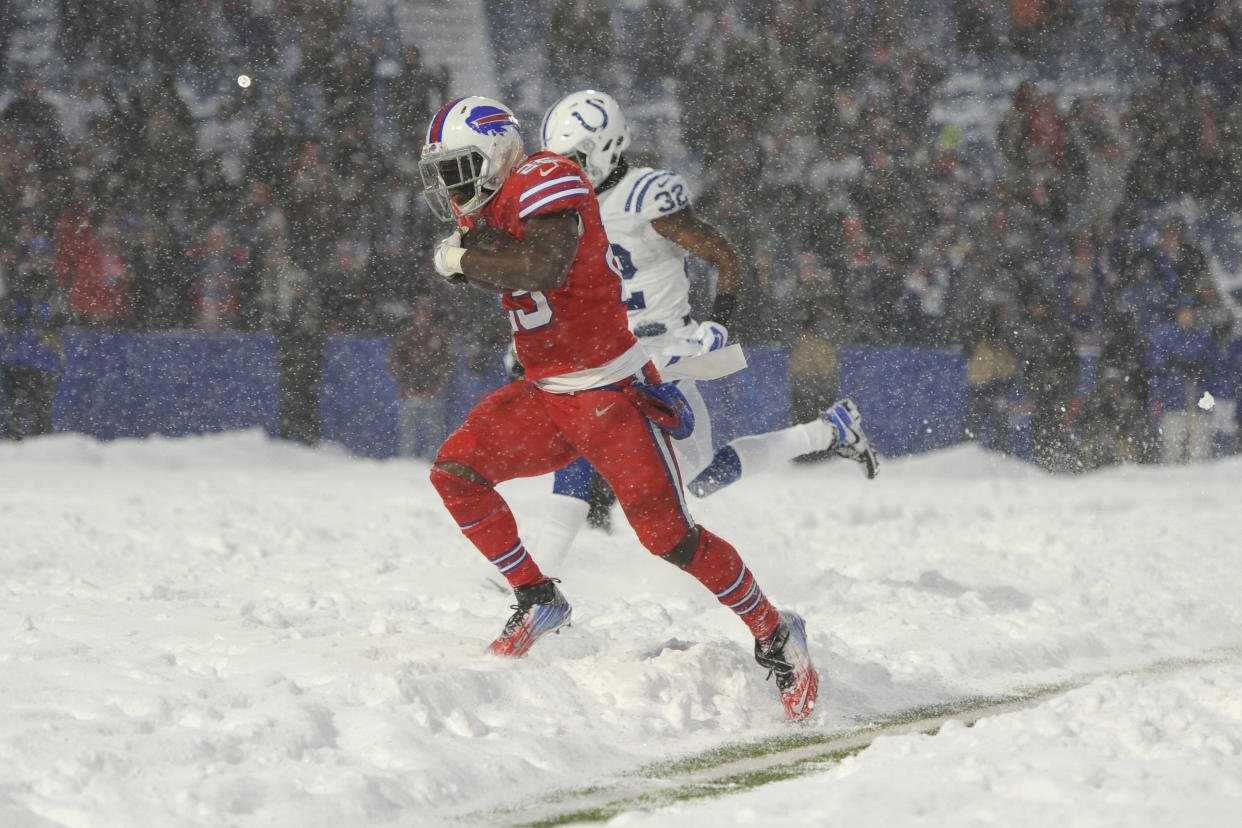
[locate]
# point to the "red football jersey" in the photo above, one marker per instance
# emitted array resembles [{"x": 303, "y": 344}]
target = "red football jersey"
[{"x": 583, "y": 323}]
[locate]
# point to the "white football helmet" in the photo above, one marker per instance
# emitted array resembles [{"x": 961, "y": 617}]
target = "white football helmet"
[
  {"x": 472, "y": 146},
  {"x": 589, "y": 128}
]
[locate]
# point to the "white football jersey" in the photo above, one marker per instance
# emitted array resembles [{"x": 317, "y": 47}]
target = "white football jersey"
[
  {"x": 655, "y": 283},
  {"x": 656, "y": 286}
]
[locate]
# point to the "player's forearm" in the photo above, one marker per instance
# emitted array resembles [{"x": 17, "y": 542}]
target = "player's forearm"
[
  {"x": 703, "y": 240},
  {"x": 512, "y": 270},
  {"x": 729, "y": 271},
  {"x": 728, "y": 261},
  {"x": 540, "y": 261}
]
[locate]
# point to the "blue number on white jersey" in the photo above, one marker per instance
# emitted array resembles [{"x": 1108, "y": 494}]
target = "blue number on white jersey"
[
  {"x": 671, "y": 199},
  {"x": 655, "y": 287},
  {"x": 633, "y": 299}
]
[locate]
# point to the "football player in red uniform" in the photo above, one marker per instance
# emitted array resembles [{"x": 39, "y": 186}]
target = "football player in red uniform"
[{"x": 589, "y": 389}]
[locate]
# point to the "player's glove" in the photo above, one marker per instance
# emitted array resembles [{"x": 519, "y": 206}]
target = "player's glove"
[
  {"x": 664, "y": 405},
  {"x": 513, "y": 366},
  {"x": 710, "y": 336},
  {"x": 447, "y": 257}
]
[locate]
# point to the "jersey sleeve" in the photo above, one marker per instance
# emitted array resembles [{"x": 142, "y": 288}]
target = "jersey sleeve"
[
  {"x": 550, "y": 185},
  {"x": 656, "y": 193}
]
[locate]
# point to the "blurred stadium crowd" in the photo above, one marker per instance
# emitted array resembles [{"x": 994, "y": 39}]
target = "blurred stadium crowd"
[{"x": 144, "y": 188}]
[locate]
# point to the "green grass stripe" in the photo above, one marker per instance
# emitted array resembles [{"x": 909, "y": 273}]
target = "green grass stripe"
[{"x": 736, "y": 767}]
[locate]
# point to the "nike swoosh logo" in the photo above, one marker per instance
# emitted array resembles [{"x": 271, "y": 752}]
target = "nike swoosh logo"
[
  {"x": 798, "y": 709},
  {"x": 599, "y": 412}
]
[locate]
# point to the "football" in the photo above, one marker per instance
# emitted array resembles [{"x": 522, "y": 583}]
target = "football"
[{"x": 488, "y": 238}]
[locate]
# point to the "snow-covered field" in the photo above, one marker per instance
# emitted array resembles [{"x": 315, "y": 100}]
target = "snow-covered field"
[{"x": 230, "y": 631}]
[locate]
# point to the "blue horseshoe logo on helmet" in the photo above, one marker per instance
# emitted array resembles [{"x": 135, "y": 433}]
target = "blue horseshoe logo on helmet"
[{"x": 587, "y": 126}]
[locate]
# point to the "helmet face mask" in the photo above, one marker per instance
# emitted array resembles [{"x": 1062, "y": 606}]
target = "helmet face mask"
[
  {"x": 452, "y": 180},
  {"x": 589, "y": 128},
  {"x": 472, "y": 146}
]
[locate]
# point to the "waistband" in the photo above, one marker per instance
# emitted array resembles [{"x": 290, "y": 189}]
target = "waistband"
[{"x": 657, "y": 328}]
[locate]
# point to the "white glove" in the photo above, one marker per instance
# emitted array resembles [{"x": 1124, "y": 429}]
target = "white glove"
[
  {"x": 447, "y": 257},
  {"x": 710, "y": 336},
  {"x": 513, "y": 367}
]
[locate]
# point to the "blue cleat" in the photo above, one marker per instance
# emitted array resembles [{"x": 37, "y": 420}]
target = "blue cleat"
[
  {"x": 724, "y": 469},
  {"x": 851, "y": 442}
]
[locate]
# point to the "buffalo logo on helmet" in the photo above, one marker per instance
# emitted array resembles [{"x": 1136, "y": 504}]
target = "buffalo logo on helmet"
[{"x": 490, "y": 120}]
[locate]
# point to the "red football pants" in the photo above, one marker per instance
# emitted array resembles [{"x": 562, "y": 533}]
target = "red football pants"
[{"x": 520, "y": 431}]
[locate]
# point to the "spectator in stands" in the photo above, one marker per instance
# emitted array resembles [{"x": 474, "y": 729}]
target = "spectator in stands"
[
  {"x": 345, "y": 291},
  {"x": 817, "y": 330},
  {"x": 98, "y": 281},
  {"x": 1034, "y": 25},
  {"x": 1051, "y": 369},
  {"x": 216, "y": 264},
  {"x": 838, "y": 85},
  {"x": 314, "y": 206},
  {"x": 301, "y": 350},
  {"x": 1186, "y": 268},
  {"x": 225, "y": 139},
  {"x": 1200, "y": 44},
  {"x": 9, "y": 20},
  {"x": 1143, "y": 293},
  {"x": 660, "y": 38},
  {"x": 165, "y": 151},
  {"x": 180, "y": 34},
  {"x": 32, "y": 121},
  {"x": 1096, "y": 160},
  {"x": 1080, "y": 290},
  {"x": 991, "y": 378},
  {"x": 763, "y": 323},
  {"x": 162, "y": 279},
  {"x": 483, "y": 334},
  {"x": 1182, "y": 359},
  {"x": 1032, "y": 131},
  {"x": 924, "y": 302},
  {"x": 319, "y": 27},
  {"x": 414, "y": 94},
  {"x": 349, "y": 89},
  {"x": 1182, "y": 263},
  {"x": 1121, "y": 16},
  {"x": 1157, "y": 168},
  {"x": 420, "y": 360},
  {"x": 974, "y": 33},
  {"x": 274, "y": 145},
  {"x": 31, "y": 356},
  {"x": 254, "y": 25},
  {"x": 1111, "y": 421},
  {"x": 1230, "y": 194},
  {"x": 1124, "y": 351},
  {"x": 579, "y": 44},
  {"x": 1229, "y": 384},
  {"x": 870, "y": 287}
]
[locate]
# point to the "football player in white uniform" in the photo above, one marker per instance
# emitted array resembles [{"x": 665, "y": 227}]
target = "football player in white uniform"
[{"x": 653, "y": 229}]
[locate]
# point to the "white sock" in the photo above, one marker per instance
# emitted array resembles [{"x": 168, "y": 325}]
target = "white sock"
[
  {"x": 563, "y": 516},
  {"x": 762, "y": 452}
]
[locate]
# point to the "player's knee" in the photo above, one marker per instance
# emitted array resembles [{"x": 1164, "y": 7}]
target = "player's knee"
[
  {"x": 682, "y": 555},
  {"x": 445, "y": 472}
]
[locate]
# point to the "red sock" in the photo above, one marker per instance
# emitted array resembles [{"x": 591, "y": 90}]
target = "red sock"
[
  {"x": 719, "y": 568},
  {"x": 484, "y": 518}
]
